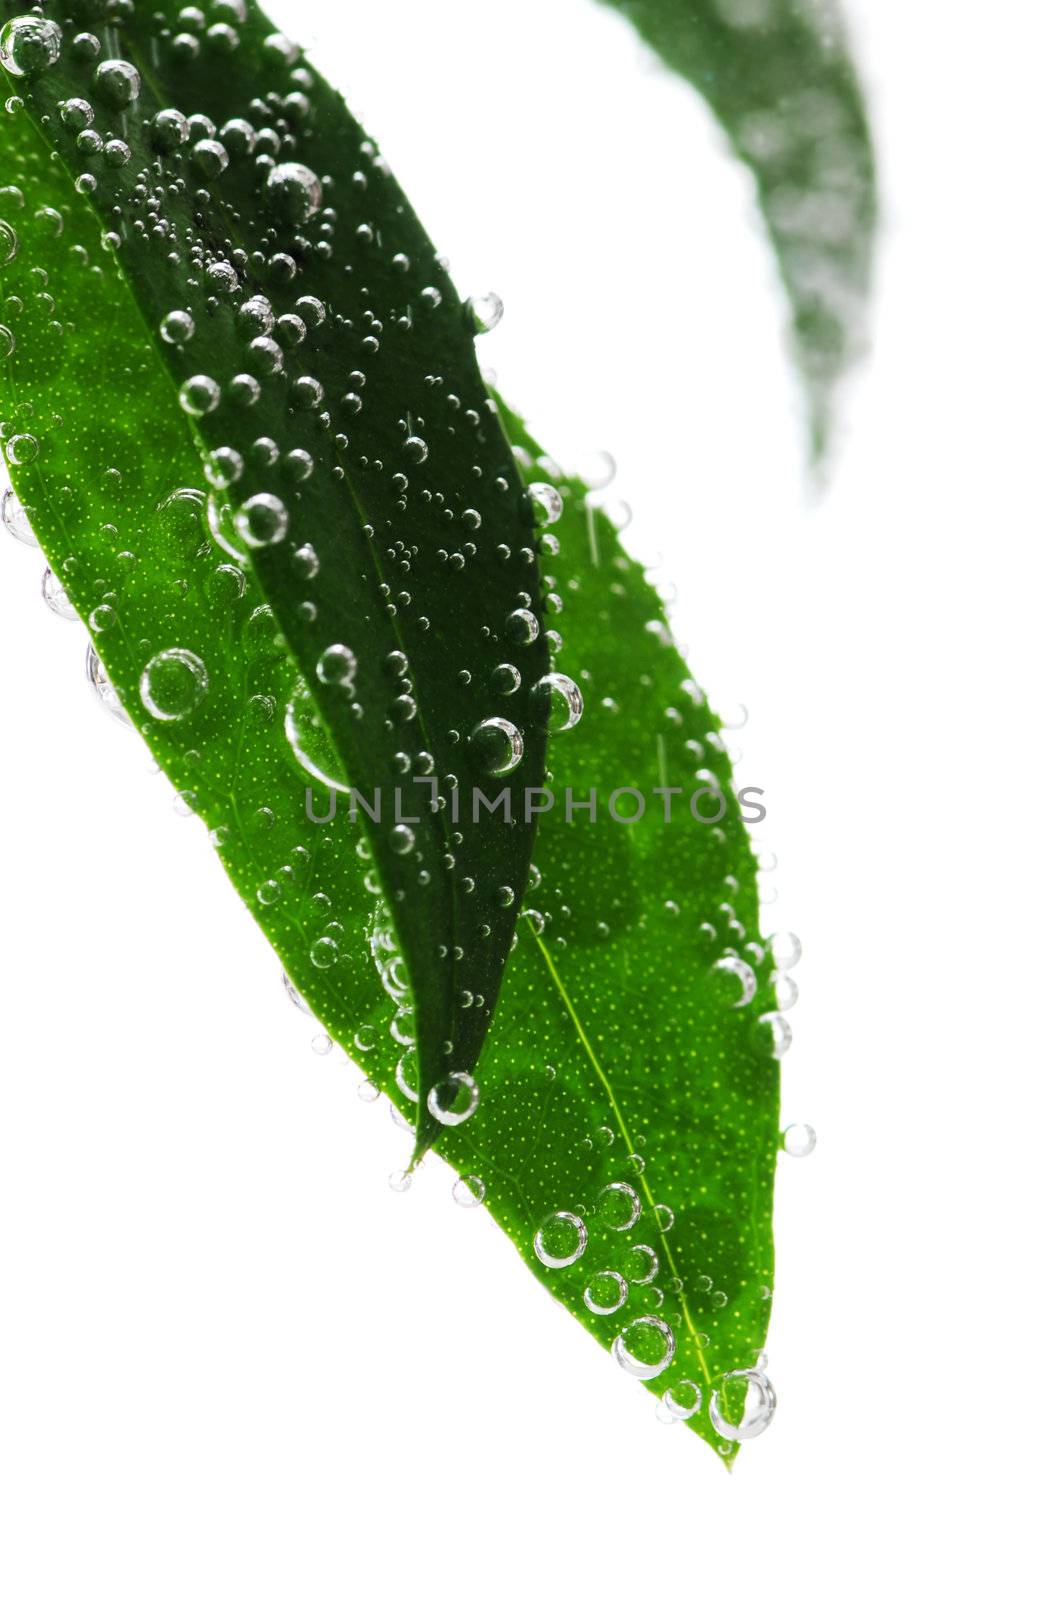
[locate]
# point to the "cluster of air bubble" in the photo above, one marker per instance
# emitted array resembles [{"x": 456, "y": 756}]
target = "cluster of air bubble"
[
  {"x": 253, "y": 494},
  {"x": 255, "y": 488}
]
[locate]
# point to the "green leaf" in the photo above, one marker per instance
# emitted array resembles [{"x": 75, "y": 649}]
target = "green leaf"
[
  {"x": 619, "y": 1056},
  {"x": 619, "y": 1076},
  {"x": 779, "y": 78},
  {"x": 325, "y": 368}
]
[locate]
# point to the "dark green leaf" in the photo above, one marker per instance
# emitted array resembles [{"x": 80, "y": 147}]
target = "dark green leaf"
[
  {"x": 326, "y": 367},
  {"x": 778, "y": 76},
  {"x": 619, "y": 1056},
  {"x": 619, "y": 1076}
]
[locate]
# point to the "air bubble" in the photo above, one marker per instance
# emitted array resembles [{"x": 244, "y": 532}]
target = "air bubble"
[
  {"x": 199, "y": 395},
  {"x": 735, "y": 967},
  {"x": 484, "y": 311},
  {"x": 337, "y": 666},
  {"x": 177, "y": 327},
  {"x": 454, "y": 1100},
  {"x": 561, "y": 1240},
  {"x": 311, "y": 742},
  {"x": 522, "y": 626},
  {"x": 759, "y": 1404},
  {"x": 682, "y": 1401},
  {"x": 173, "y": 684},
  {"x": 262, "y": 520},
  {"x": 546, "y": 503},
  {"x": 469, "y": 1191},
  {"x": 780, "y": 1034},
  {"x": 15, "y": 519},
  {"x": 785, "y": 950},
  {"x": 605, "y": 1293},
  {"x": 29, "y": 45},
  {"x": 293, "y": 191},
  {"x": 104, "y": 688},
  {"x": 558, "y": 701},
  {"x": 645, "y": 1347},
  {"x": 619, "y": 1207},
  {"x": 118, "y": 82},
  {"x": 56, "y": 597},
  {"x": 799, "y": 1139},
  {"x": 498, "y": 745}
]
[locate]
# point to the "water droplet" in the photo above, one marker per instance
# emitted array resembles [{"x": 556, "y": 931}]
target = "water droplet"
[
  {"x": 484, "y": 311},
  {"x": 415, "y": 450},
  {"x": 786, "y": 992},
  {"x": 294, "y": 192},
  {"x": 29, "y": 45},
  {"x": 337, "y": 665},
  {"x": 294, "y": 996},
  {"x": 642, "y": 1264},
  {"x": 15, "y": 519},
  {"x": 665, "y": 1217},
  {"x": 619, "y": 1207},
  {"x": 469, "y": 1191},
  {"x": 561, "y": 1240},
  {"x": 799, "y": 1139},
  {"x": 605, "y": 1293},
  {"x": 102, "y": 618},
  {"x": 747, "y": 978},
  {"x": 118, "y": 82},
  {"x": 56, "y": 597},
  {"x": 505, "y": 679},
  {"x": 522, "y": 626},
  {"x": 21, "y": 449},
  {"x": 645, "y": 1347},
  {"x": 785, "y": 950},
  {"x": 780, "y": 1034},
  {"x": 546, "y": 503},
  {"x": 682, "y": 1401},
  {"x": 758, "y": 1404},
  {"x": 311, "y": 741},
  {"x": 173, "y": 683},
  {"x": 199, "y": 395},
  {"x": 558, "y": 701},
  {"x": 177, "y": 327},
  {"x": 101, "y": 683},
  {"x": 400, "y": 1180},
  {"x": 262, "y": 520},
  {"x": 454, "y": 1100},
  {"x": 498, "y": 745},
  {"x": 324, "y": 953}
]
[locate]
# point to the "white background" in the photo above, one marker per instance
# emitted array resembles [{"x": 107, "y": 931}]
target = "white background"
[{"x": 232, "y": 1361}]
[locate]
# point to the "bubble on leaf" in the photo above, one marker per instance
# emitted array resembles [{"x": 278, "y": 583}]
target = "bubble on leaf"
[
  {"x": 758, "y": 1404},
  {"x": 557, "y": 701},
  {"x": 293, "y": 192},
  {"x": 605, "y": 1293},
  {"x": 645, "y": 1347},
  {"x": 498, "y": 745},
  {"x": 561, "y": 1240},
  {"x": 799, "y": 1139},
  {"x": 311, "y": 741},
  {"x": 469, "y": 1191},
  {"x": 455, "y": 1099},
  {"x": 173, "y": 684},
  {"x": 29, "y": 45}
]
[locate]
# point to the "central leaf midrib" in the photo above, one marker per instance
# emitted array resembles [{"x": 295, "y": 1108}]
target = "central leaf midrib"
[{"x": 603, "y": 1078}]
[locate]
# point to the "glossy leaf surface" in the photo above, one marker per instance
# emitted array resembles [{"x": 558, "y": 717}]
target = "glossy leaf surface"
[
  {"x": 319, "y": 355},
  {"x": 627, "y": 1125}
]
